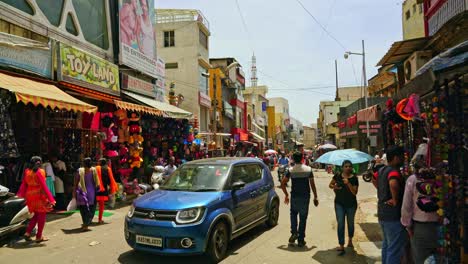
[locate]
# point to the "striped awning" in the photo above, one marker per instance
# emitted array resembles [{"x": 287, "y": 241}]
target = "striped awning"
[
  {"x": 38, "y": 93},
  {"x": 168, "y": 109},
  {"x": 138, "y": 108}
]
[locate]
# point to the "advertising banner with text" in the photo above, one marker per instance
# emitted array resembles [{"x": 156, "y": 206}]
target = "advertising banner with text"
[
  {"x": 86, "y": 70},
  {"x": 137, "y": 35}
]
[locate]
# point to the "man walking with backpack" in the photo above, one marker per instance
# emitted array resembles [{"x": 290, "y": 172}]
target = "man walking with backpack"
[
  {"x": 302, "y": 179},
  {"x": 390, "y": 186}
]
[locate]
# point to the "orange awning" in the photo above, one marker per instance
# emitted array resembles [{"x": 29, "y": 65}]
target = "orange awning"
[
  {"x": 138, "y": 108},
  {"x": 47, "y": 95}
]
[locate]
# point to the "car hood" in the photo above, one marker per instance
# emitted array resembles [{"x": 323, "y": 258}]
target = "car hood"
[{"x": 176, "y": 200}]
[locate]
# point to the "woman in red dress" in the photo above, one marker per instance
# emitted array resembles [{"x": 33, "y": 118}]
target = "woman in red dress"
[
  {"x": 108, "y": 186},
  {"x": 38, "y": 197}
]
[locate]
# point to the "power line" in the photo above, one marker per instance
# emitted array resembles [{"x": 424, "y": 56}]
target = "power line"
[
  {"x": 329, "y": 34},
  {"x": 318, "y": 23},
  {"x": 246, "y": 28}
]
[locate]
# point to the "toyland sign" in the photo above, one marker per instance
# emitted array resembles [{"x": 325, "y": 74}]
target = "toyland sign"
[{"x": 86, "y": 70}]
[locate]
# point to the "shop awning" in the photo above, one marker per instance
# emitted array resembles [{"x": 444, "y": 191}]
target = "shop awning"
[
  {"x": 401, "y": 50},
  {"x": 256, "y": 136},
  {"x": 368, "y": 114},
  {"x": 167, "y": 109},
  {"x": 38, "y": 93},
  {"x": 138, "y": 108}
]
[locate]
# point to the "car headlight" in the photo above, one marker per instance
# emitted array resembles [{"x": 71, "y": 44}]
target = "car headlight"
[
  {"x": 191, "y": 215},
  {"x": 131, "y": 211}
]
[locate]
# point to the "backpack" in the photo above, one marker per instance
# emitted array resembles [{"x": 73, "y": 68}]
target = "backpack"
[{"x": 426, "y": 192}]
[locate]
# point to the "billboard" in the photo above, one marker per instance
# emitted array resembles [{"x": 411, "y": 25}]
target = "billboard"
[
  {"x": 25, "y": 54},
  {"x": 86, "y": 70},
  {"x": 137, "y": 35}
]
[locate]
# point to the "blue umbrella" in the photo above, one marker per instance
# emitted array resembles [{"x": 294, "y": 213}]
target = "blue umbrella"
[{"x": 337, "y": 157}]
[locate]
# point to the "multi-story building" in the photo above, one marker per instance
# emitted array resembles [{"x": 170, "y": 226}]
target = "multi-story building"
[
  {"x": 297, "y": 131},
  {"x": 232, "y": 104},
  {"x": 282, "y": 120},
  {"x": 350, "y": 93},
  {"x": 412, "y": 19},
  {"x": 328, "y": 116},
  {"x": 182, "y": 37},
  {"x": 310, "y": 136},
  {"x": 257, "y": 120}
]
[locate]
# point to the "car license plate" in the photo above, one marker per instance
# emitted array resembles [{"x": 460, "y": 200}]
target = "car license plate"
[{"x": 150, "y": 241}]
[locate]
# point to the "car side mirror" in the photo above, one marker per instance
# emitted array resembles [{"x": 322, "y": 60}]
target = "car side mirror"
[{"x": 239, "y": 185}]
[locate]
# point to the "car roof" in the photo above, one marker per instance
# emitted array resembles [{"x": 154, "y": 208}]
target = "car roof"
[{"x": 224, "y": 161}]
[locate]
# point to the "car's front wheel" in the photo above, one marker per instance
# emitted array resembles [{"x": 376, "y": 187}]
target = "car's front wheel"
[
  {"x": 273, "y": 214},
  {"x": 218, "y": 243}
]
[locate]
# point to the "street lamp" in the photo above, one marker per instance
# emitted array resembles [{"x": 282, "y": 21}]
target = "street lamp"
[{"x": 363, "y": 54}]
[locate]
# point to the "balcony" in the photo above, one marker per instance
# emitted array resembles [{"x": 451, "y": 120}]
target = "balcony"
[
  {"x": 181, "y": 15},
  {"x": 447, "y": 11}
]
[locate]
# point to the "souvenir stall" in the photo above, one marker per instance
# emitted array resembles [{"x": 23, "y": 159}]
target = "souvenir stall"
[
  {"x": 430, "y": 126},
  {"x": 39, "y": 119}
]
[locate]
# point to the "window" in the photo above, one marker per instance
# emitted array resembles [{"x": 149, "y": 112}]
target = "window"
[
  {"x": 169, "y": 38},
  {"x": 22, "y": 5},
  {"x": 172, "y": 65},
  {"x": 92, "y": 18},
  {"x": 414, "y": 8},
  {"x": 420, "y": 8},
  {"x": 408, "y": 15},
  {"x": 247, "y": 173},
  {"x": 203, "y": 39},
  {"x": 203, "y": 79}
]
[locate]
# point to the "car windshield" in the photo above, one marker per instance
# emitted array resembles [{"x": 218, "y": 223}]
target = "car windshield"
[{"x": 197, "y": 178}]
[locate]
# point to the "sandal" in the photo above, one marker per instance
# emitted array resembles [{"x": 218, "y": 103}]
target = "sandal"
[
  {"x": 101, "y": 222},
  {"x": 340, "y": 249},
  {"x": 42, "y": 239},
  {"x": 27, "y": 237}
]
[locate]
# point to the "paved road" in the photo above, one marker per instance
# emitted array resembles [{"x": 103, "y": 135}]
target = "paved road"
[{"x": 105, "y": 243}]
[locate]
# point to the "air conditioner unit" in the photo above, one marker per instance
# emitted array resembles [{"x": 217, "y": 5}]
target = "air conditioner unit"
[{"x": 414, "y": 62}]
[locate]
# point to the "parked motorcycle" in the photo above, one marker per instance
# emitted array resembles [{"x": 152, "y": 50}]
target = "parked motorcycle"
[
  {"x": 14, "y": 214},
  {"x": 373, "y": 168}
]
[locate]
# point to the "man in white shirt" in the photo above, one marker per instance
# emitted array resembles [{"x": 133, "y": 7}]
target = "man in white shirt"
[
  {"x": 59, "y": 171},
  {"x": 170, "y": 168}
]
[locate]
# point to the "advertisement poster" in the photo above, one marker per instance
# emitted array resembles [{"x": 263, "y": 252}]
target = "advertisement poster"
[
  {"x": 25, "y": 54},
  {"x": 137, "y": 35},
  {"x": 84, "y": 69}
]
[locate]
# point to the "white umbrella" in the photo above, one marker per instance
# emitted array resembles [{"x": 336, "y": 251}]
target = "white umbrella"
[
  {"x": 328, "y": 146},
  {"x": 270, "y": 151}
]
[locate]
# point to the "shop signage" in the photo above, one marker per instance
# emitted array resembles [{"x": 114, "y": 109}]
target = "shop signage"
[
  {"x": 349, "y": 133},
  {"x": 137, "y": 41},
  {"x": 84, "y": 69},
  {"x": 25, "y": 54},
  {"x": 238, "y": 103},
  {"x": 228, "y": 111},
  {"x": 133, "y": 84},
  {"x": 264, "y": 106},
  {"x": 204, "y": 99},
  {"x": 244, "y": 136},
  {"x": 370, "y": 131},
  {"x": 371, "y": 126}
]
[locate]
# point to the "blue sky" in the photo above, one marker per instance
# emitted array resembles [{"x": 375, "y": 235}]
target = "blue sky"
[{"x": 292, "y": 50}]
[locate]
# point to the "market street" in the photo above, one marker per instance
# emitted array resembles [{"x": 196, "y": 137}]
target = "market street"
[{"x": 106, "y": 244}]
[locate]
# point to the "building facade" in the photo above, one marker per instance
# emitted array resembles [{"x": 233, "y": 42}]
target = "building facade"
[
  {"x": 257, "y": 119},
  {"x": 310, "y": 136},
  {"x": 282, "y": 120},
  {"x": 412, "y": 19},
  {"x": 328, "y": 116},
  {"x": 182, "y": 37}
]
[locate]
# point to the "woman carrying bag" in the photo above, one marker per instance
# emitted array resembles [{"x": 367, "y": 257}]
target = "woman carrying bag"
[
  {"x": 108, "y": 186},
  {"x": 86, "y": 185},
  {"x": 345, "y": 185}
]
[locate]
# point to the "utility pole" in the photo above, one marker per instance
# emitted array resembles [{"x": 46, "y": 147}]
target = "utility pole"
[
  {"x": 214, "y": 123},
  {"x": 337, "y": 97},
  {"x": 365, "y": 94}
]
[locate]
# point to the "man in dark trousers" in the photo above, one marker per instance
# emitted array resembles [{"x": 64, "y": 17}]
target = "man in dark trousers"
[
  {"x": 302, "y": 179},
  {"x": 390, "y": 187}
]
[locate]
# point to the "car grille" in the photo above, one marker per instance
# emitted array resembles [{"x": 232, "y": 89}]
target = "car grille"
[{"x": 160, "y": 215}]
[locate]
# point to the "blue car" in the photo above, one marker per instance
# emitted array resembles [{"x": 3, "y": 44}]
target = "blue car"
[{"x": 202, "y": 206}]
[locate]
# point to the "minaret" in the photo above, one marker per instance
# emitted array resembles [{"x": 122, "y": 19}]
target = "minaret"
[{"x": 253, "y": 78}]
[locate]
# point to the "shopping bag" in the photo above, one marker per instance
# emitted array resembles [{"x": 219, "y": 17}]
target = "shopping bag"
[{"x": 72, "y": 205}]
